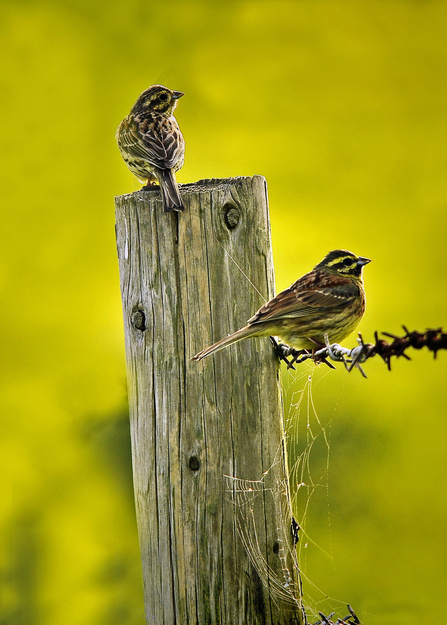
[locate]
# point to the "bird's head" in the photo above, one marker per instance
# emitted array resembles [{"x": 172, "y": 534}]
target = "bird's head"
[
  {"x": 157, "y": 99},
  {"x": 343, "y": 263}
]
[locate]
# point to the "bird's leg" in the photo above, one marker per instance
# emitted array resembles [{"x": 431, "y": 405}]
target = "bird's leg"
[{"x": 150, "y": 184}]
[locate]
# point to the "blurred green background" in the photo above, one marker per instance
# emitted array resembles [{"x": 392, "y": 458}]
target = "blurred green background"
[{"x": 343, "y": 107}]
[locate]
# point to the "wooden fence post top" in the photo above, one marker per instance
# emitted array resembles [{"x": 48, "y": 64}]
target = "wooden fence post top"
[{"x": 199, "y": 185}]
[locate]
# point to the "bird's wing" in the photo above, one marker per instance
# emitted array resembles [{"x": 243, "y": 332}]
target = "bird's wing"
[
  {"x": 164, "y": 143},
  {"x": 302, "y": 303},
  {"x": 147, "y": 147},
  {"x": 157, "y": 141}
]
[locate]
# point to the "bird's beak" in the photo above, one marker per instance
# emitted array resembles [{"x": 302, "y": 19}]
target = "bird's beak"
[
  {"x": 363, "y": 261},
  {"x": 177, "y": 94}
]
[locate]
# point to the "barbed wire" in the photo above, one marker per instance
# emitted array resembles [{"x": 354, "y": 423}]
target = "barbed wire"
[
  {"x": 434, "y": 340},
  {"x": 350, "y": 619}
]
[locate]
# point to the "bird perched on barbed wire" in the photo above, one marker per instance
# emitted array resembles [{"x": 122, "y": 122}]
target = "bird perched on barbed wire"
[
  {"x": 330, "y": 299},
  {"x": 151, "y": 143}
]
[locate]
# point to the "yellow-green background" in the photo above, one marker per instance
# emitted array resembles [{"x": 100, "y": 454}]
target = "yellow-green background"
[{"x": 343, "y": 107}]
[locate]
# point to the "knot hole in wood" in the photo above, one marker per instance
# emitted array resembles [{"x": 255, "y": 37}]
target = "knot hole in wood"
[
  {"x": 232, "y": 215},
  {"x": 194, "y": 463},
  {"x": 139, "y": 319}
]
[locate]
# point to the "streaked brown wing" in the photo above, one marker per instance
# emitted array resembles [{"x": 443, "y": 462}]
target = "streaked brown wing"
[
  {"x": 292, "y": 303},
  {"x": 129, "y": 139},
  {"x": 161, "y": 146},
  {"x": 164, "y": 144}
]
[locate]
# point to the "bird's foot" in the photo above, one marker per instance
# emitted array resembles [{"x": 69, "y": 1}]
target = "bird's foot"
[{"x": 149, "y": 186}]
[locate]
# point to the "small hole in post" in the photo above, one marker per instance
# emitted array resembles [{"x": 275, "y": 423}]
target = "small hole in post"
[
  {"x": 232, "y": 216},
  {"x": 194, "y": 463},
  {"x": 276, "y": 548},
  {"x": 139, "y": 320}
]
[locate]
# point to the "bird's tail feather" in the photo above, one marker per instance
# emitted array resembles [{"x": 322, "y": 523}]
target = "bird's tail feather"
[
  {"x": 169, "y": 191},
  {"x": 243, "y": 333}
]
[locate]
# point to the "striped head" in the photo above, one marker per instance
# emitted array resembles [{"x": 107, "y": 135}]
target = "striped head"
[
  {"x": 157, "y": 99},
  {"x": 343, "y": 263}
]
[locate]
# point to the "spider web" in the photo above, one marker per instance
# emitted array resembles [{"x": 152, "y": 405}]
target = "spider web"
[
  {"x": 308, "y": 448},
  {"x": 245, "y": 495}
]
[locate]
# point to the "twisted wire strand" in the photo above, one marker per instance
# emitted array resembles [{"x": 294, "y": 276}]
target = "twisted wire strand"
[{"x": 433, "y": 339}]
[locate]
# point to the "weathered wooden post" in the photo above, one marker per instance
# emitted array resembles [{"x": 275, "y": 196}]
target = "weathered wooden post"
[{"x": 215, "y": 549}]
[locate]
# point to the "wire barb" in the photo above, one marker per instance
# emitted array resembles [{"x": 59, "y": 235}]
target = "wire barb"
[
  {"x": 350, "y": 619},
  {"x": 432, "y": 339}
]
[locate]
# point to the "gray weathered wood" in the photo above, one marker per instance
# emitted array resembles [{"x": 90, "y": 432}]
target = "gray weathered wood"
[{"x": 195, "y": 423}]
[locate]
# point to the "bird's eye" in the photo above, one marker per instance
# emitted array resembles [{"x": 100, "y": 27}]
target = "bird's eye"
[
  {"x": 163, "y": 96},
  {"x": 347, "y": 262}
]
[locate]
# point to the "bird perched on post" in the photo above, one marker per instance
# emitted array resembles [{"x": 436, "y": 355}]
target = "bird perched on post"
[
  {"x": 330, "y": 299},
  {"x": 151, "y": 143}
]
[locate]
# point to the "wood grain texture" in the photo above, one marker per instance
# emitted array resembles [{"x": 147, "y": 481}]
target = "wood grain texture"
[{"x": 193, "y": 423}]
